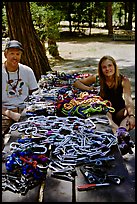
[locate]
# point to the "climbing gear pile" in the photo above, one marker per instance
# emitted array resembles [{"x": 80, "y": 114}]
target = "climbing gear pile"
[
  {"x": 60, "y": 134},
  {"x": 124, "y": 141}
]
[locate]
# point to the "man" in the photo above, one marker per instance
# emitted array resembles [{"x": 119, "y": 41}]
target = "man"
[{"x": 18, "y": 81}]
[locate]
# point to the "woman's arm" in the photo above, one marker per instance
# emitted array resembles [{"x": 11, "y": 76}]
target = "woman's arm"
[
  {"x": 113, "y": 125},
  {"x": 128, "y": 102},
  {"x": 127, "y": 96},
  {"x": 84, "y": 83}
]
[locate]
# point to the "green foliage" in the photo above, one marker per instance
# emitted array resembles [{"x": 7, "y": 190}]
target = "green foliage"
[
  {"x": 46, "y": 21},
  {"x": 4, "y": 22},
  {"x": 47, "y": 16}
]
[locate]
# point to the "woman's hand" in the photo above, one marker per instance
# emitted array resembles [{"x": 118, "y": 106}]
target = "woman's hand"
[{"x": 131, "y": 122}]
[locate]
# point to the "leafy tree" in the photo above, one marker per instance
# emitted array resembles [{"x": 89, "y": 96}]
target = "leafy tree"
[
  {"x": 124, "y": 14},
  {"x": 130, "y": 16},
  {"x": 4, "y": 23},
  {"x": 21, "y": 28},
  {"x": 46, "y": 22},
  {"x": 46, "y": 17}
]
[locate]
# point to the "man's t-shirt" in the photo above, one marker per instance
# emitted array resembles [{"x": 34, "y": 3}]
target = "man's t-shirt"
[{"x": 16, "y": 86}]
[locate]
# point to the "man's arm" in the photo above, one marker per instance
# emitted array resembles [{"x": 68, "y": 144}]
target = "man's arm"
[
  {"x": 11, "y": 114},
  {"x": 31, "y": 91}
]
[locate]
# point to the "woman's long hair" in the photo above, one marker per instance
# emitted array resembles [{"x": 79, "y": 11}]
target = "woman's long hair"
[{"x": 102, "y": 78}]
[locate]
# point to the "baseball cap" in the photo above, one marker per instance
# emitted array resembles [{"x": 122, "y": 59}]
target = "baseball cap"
[{"x": 14, "y": 44}]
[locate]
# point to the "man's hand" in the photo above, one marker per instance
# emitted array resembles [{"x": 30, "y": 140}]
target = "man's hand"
[{"x": 13, "y": 115}]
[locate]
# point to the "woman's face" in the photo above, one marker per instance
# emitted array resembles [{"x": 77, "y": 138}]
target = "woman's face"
[{"x": 108, "y": 68}]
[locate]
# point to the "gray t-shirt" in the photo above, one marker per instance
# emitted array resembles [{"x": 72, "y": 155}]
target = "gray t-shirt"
[{"x": 16, "y": 86}]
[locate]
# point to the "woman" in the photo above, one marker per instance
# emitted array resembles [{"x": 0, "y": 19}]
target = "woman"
[{"x": 113, "y": 87}]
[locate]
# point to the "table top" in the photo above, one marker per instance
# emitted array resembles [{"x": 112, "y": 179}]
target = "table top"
[{"x": 57, "y": 190}]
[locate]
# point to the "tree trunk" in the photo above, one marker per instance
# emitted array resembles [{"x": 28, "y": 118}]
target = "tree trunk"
[
  {"x": 125, "y": 15},
  {"x": 21, "y": 28},
  {"x": 109, "y": 18},
  {"x": 129, "y": 26},
  {"x": 69, "y": 4},
  {"x": 53, "y": 49}
]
